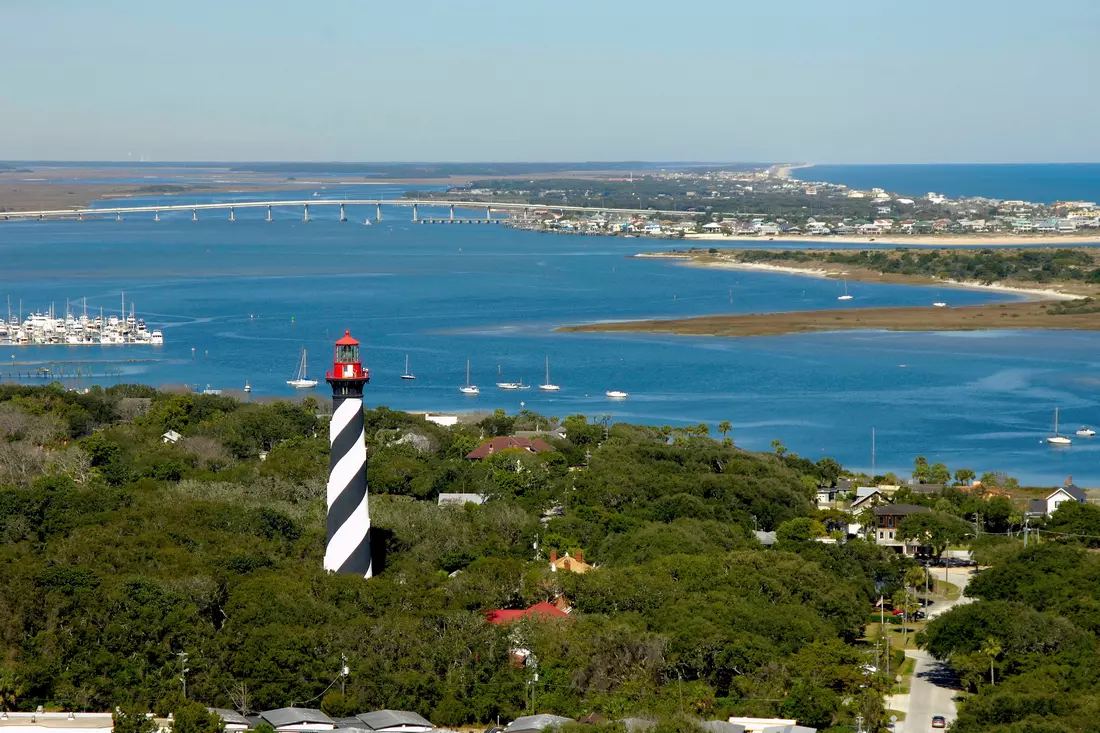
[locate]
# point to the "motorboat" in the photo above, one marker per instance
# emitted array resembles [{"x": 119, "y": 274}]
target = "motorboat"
[
  {"x": 616, "y": 394},
  {"x": 1085, "y": 431}
]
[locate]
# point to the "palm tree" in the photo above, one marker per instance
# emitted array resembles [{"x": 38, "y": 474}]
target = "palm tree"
[
  {"x": 992, "y": 649},
  {"x": 724, "y": 427},
  {"x": 779, "y": 448}
]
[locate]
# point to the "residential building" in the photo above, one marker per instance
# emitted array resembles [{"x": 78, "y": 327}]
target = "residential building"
[
  {"x": 461, "y": 499},
  {"x": 536, "y": 723},
  {"x": 395, "y": 721},
  {"x": 509, "y": 442},
  {"x": 231, "y": 719},
  {"x": 297, "y": 719},
  {"x": 42, "y": 722},
  {"x": 766, "y": 725},
  {"x": 867, "y": 497},
  {"x": 935, "y": 198},
  {"x": 171, "y": 437},
  {"x": 542, "y": 611},
  {"x": 887, "y": 519},
  {"x": 575, "y": 564},
  {"x": 1066, "y": 492}
]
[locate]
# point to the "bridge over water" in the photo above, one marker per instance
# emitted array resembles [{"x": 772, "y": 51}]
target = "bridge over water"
[{"x": 231, "y": 207}]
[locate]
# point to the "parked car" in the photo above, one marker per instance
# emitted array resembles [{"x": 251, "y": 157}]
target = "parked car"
[{"x": 938, "y": 721}]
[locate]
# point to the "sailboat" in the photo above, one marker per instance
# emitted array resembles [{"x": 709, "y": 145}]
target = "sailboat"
[
  {"x": 502, "y": 384},
  {"x": 300, "y": 381},
  {"x": 1057, "y": 439},
  {"x": 406, "y": 375},
  {"x": 845, "y": 296},
  {"x": 548, "y": 387},
  {"x": 470, "y": 389}
]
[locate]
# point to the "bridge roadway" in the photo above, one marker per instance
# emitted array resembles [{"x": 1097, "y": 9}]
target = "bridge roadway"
[{"x": 231, "y": 207}]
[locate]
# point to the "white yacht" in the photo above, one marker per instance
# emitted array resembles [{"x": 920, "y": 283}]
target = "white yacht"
[
  {"x": 940, "y": 304},
  {"x": 1085, "y": 432},
  {"x": 1057, "y": 439},
  {"x": 470, "y": 389},
  {"x": 301, "y": 381},
  {"x": 548, "y": 386},
  {"x": 616, "y": 394},
  {"x": 157, "y": 338}
]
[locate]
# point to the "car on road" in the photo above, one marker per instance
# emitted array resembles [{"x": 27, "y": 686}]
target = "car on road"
[{"x": 938, "y": 721}]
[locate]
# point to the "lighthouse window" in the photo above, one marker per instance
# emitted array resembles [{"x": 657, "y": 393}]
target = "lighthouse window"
[{"x": 347, "y": 354}]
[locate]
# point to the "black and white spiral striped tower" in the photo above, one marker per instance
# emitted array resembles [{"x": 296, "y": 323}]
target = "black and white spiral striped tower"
[{"x": 347, "y": 549}]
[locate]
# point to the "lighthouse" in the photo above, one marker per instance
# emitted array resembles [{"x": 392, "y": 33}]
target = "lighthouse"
[{"x": 347, "y": 547}]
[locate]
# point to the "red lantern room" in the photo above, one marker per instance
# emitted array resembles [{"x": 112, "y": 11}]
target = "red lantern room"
[{"x": 345, "y": 361}]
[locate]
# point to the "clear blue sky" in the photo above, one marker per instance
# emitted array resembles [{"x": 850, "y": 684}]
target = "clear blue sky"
[{"x": 791, "y": 80}]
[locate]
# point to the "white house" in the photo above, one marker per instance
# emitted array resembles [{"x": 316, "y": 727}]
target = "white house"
[
  {"x": 1066, "y": 492},
  {"x": 936, "y": 198},
  {"x": 171, "y": 437}
]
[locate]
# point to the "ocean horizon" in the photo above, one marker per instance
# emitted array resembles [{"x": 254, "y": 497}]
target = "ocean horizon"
[{"x": 1036, "y": 182}]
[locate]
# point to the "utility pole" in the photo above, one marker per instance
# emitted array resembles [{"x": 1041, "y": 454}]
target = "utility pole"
[
  {"x": 859, "y": 723},
  {"x": 1026, "y": 528},
  {"x": 343, "y": 674},
  {"x": 183, "y": 671}
]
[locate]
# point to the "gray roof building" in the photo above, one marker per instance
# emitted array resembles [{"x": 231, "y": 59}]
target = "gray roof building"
[
  {"x": 395, "y": 720},
  {"x": 298, "y": 719},
  {"x": 536, "y": 723},
  {"x": 721, "y": 726},
  {"x": 460, "y": 499},
  {"x": 789, "y": 729},
  {"x": 232, "y": 719},
  {"x": 767, "y": 539}
]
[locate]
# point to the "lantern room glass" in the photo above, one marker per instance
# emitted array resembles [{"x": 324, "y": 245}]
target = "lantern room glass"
[{"x": 346, "y": 354}]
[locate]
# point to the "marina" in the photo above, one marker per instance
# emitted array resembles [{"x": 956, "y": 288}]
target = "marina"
[{"x": 47, "y": 328}]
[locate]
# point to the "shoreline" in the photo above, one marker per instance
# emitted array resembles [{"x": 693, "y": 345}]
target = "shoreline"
[
  {"x": 901, "y": 240},
  {"x": 1036, "y": 294},
  {"x": 1029, "y": 315}
]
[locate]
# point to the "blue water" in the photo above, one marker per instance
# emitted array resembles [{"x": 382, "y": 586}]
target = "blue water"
[
  {"x": 1038, "y": 182},
  {"x": 246, "y": 296}
]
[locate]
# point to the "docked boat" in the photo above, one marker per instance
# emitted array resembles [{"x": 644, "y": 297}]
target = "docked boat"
[
  {"x": 470, "y": 389},
  {"x": 616, "y": 394},
  {"x": 157, "y": 337},
  {"x": 1057, "y": 439},
  {"x": 301, "y": 381},
  {"x": 1085, "y": 431},
  {"x": 548, "y": 386},
  {"x": 407, "y": 375},
  {"x": 845, "y": 296}
]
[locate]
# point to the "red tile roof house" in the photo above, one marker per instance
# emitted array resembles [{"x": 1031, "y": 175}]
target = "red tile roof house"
[
  {"x": 542, "y": 611},
  {"x": 509, "y": 442}
]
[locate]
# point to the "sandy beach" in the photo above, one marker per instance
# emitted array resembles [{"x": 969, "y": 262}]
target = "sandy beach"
[
  {"x": 857, "y": 275},
  {"x": 916, "y": 240}
]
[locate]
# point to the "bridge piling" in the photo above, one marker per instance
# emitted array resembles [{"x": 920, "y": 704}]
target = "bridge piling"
[{"x": 269, "y": 214}]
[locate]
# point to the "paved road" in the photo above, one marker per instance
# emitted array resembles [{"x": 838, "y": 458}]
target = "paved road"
[{"x": 931, "y": 691}]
